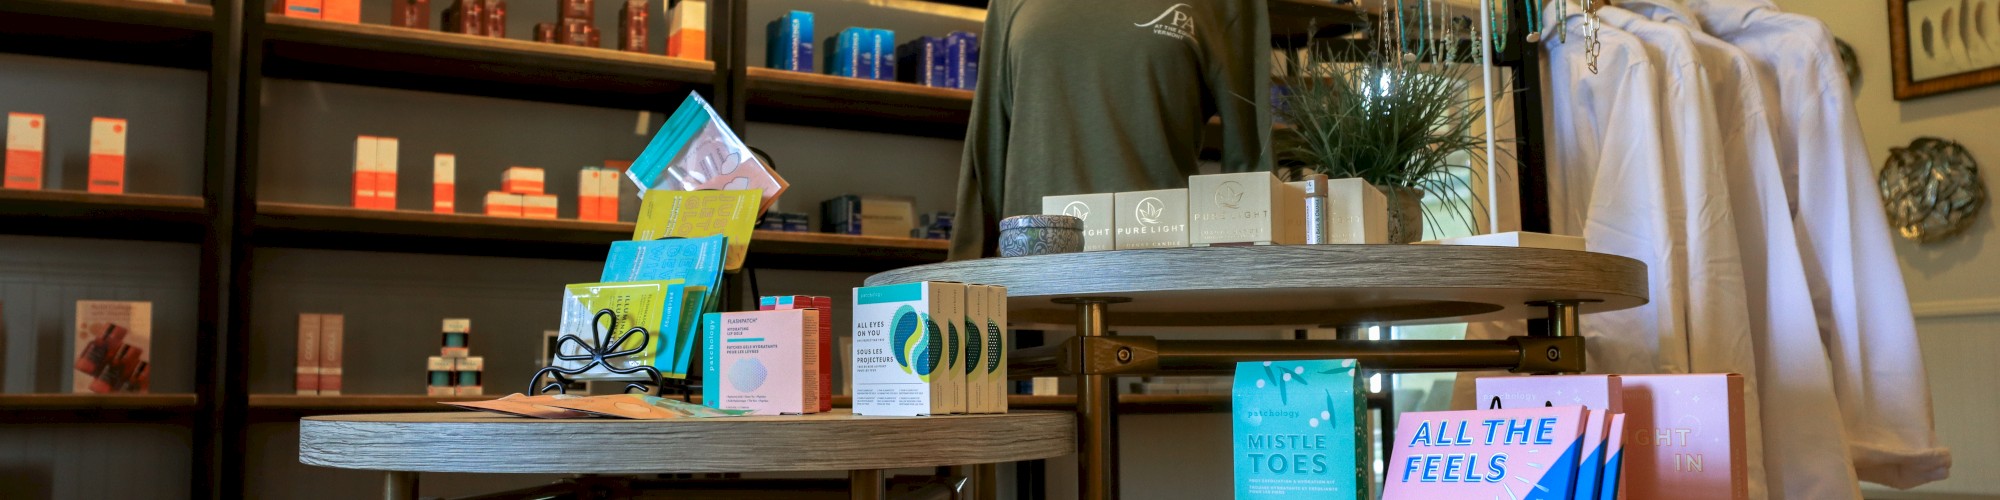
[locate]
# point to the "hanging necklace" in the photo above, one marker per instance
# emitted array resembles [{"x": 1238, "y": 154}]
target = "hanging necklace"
[{"x": 1592, "y": 41}]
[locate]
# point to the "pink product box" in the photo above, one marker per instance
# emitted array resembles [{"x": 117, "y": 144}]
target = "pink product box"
[
  {"x": 766, "y": 361},
  {"x": 1517, "y": 453},
  {"x": 332, "y": 336},
  {"x": 1684, "y": 437},
  {"x": 308, "y": 366}
]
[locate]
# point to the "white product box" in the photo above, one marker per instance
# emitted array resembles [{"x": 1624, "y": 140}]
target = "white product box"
[
  {"x": 1356, "y": 213},
  {"x": 27, "y": 135},
  {"x": 521, "y": 180},
  {"x": 444, "y": 183},
  {"x": 1151, "y": 219},
  {"x": 364, "y": 171},
  {"x": 994, "y": 382},
  {"x": 1522, "y": 239},
  {"x": 1099, "y": 214},
  {"x": 1249, "y": 208},
  {"x": 385, "y": 173},
  {"x": 899, "y": 341},
  {"x": 539, "y": 206},
  {"x": 107, "y": 155}
]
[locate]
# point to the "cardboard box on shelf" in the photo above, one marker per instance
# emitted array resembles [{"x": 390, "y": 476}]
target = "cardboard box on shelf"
[
  {"x": 303, "y": 9},
  {"x": 332, "y": 336},
  {"x": 499, "y": 204},
  {"x": 457, "y": 338},
  {"x": 307, "y": 380},
  {"x": 364, "y": 171},
  {"x": 107, "y": 155},
  {"x": 632, "y": 26},
  {"x": 522, "y": 180},
  {"x": 438, "y": 376},
  {"x": 114, "y": 344},
  {"x": 385, "y": 173},
  {"x": 410, "y": 14},
  {"x": 467, "y": 374},
  {"x": 539, "y": 206},
  {"x": 444, "y": 183},
  {"x": 687, "y": 30},
  {"x": 26, "y": 140},
  {"x": 345, "y": 11}
]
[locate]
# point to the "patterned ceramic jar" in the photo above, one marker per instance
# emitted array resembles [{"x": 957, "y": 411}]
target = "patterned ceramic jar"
[{"x": 1023, "y": 235}]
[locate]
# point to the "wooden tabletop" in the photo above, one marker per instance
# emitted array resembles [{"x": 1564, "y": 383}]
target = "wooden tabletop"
[
  {"x": 1299, "y": 285},
  {"x": 838, "y": 440}
]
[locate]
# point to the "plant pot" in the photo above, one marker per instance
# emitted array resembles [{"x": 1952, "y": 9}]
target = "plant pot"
[{"x": 1406, "y": 214}]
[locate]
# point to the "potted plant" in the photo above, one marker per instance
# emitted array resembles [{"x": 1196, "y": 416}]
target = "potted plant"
[{"x": 1408, "y": 127}]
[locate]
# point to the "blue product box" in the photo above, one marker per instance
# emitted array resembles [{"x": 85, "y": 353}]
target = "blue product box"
[
  {"x": 962, "y": 59},
  {"x": 845, "y": 54},
  {"x": 882, "y": 47},
  {"x": 788, "y": 44},
  {"x": 841, "y": 215},
  {"x": 922, "y": 62},
  {"x": 1297, "y": 425}
]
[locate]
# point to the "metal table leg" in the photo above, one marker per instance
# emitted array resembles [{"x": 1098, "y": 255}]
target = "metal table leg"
[
  {"x": 986, "y": 482},
  {"x": 1565, "y": 320},
  {"x": 866, "y": 485},
  {"x": 1096, "y": 409},
  {"x": 398, "y": 485}
]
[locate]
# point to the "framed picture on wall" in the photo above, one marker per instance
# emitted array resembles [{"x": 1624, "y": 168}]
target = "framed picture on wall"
[{"x": 1941, "y": 46}]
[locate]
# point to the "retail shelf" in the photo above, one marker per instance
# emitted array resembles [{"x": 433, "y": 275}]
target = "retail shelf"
[
  {"x": 125, "y": 31},
  {"x": 96, "y": 408},
  {"x": 318, "y": 226},
  {"x": 271, "y": 407},
  {"x": 388, "y": 56},
  {"x": 854, "y": 103},
  {"x": 91, "y": 215}
]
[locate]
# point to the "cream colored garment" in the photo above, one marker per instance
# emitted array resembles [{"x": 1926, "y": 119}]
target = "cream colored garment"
[{"x": 1851, "y": 267}]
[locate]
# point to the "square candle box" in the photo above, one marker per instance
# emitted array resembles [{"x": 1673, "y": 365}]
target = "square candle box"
[
  {"x": 438, "y": 376},
  {"x": 1356, "y": 213},
  {"x": 107, "y": 155},
  {"x": 444, "y": 183},
  {"x": 1151, "y": 219},
  {"x": 1684, "y": 437},
  {"x": 763, "y": 361},
  {"x": 1249, "y": 208},
  {"x": 823, "y": 306},
  {"x": 899, "y": 348},
  {"x": 26, "y": 140},
  {"x": 457, "y": 339},
  {"x": 1098, "y": 212},
  {"x": 468, "y": 371}
]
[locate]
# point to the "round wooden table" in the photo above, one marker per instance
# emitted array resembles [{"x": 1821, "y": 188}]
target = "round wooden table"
[{"x": 408, "y": 443}]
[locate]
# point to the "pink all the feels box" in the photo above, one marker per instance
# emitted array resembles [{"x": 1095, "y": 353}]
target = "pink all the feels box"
[
  {"x": 1684, "y": 437},
  {"x": 1526, "y": 453},
  {"x": 1601, "y": 394}
]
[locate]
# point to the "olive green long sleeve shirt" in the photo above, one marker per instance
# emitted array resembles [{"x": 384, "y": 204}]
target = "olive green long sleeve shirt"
[{"x": 1100, "y": 96}]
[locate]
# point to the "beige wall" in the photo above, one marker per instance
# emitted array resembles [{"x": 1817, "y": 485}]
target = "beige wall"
[{"x": 1951, "y": 283}]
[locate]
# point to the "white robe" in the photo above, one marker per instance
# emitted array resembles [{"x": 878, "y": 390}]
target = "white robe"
[
  {"x": 1856, "y": 282},
  {"x": 1805, "y": 456}
]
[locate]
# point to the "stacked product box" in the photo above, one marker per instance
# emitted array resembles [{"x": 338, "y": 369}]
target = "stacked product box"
[
  {"x": 319, "y": 366},
  {"x": 687, "y": 30},
  {"x": 823, "y": 306},
  {"x": 597, "y": 196},
  {"x": 765, "y": 361},
  {"x": 26, "y": 139},
  {"x": 923, "y": 62},
  {"x": 632, "y": 26},
  {"x": 455, "y": 371},
  {"x": 869, "y": 215},
  {"x": 961, "y": 52},
  {"x": 791, "y": 222},
  {"x": 107, "y": 155},
  {"x": 789, "y": 42},
  {"x": 375, "y": 172},
  {"x": 521, "y": 195},
  {"x": 1097, "y": 212},
  {"x": 862, "y": 53},
  {"x": 913, "y": 355},
  {"x": 476, "y": 17}
]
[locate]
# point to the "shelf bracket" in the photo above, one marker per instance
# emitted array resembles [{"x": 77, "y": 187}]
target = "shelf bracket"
[
  {"x": 1549, "y": 355},
  {"x": 1119, "y": 355}
]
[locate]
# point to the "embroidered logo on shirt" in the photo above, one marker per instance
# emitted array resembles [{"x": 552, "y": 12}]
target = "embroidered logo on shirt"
[{"x": 1175, "y": 23}]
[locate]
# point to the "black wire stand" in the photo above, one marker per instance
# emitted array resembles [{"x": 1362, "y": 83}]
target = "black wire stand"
[{"x": 600, "y": 354}]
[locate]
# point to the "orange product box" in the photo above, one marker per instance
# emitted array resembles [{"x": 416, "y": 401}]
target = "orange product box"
[
  {"x": 308, "y": 9},
  {"x": 364, "y": 171},
  {"x": 503, "y": 204},
  {"x": 26, "y": 136},
  {"x": 107, "y": 155},
  {"x": 521, "y": 180},
  {"x": 539, "y": 206},
  {"x": 687, "y": 30},
  {"x": 444, "y": 175},
  {"x": 308, "y": 368},
  {"x": 332, "y": 333},
  {"x": 607, "y": 194},
  {"x": 586, "y": 195},
  {"x": 385, "y": 173},
  {"x": 346, "y": 11}
]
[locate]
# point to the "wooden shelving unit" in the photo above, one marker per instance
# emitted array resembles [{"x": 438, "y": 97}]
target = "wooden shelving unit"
[
  {"x": 95, "y": 408},
  {"x": 319, "y": 226},
  {"x": 152, "y": 34},
  {"x": 853, "y": 103},
  {"x": 111, "y": 216},
  {"x": 280, "y": 407}
]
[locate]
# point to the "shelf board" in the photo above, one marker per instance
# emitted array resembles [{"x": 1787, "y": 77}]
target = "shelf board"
[
  {"x": 830, "y": 101},
  {"x": 91, "y": 215},
  {"x": 274, "y": 407},
  {"x": 388, "y": 56},
  {"x": 96, "y": 408},
  {"x": 124, "y": 31},
  {"x": 319, "y": 226}
]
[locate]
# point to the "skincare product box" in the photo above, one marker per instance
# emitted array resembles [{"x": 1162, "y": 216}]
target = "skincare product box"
[
  {"x": 789, "y": 42},
  {"x": 869, "y": 215},
  {"x": 987, "y": 355},
  {"x": 971, "y": 349},
  {"x": 823, "y": 306},
  {"x": 503, "y": 204},
  {"x": 539, "y": 206},
  {"x": 1596, "y": 392},
  {"x": 307, "y": 9},
  {"x": 922, "y": 62},
  {"x": 457, "y": 338},
  {"x": 588, "y": 192},
  {"x": 962, "y": 59},
  {"x": 1684, "y": 437},
  {"x": 632, "y": 26},
  {"x": 468, "y": 371},
  {"x": 107, "y": 155},
  {"x": 1356, "y": 213},
  {"x": 114, "y": 343},
  {"x": 687, "y": 30},
  {"x": 344, "y": 11},
  {"x": 307, "y": 378},
  {"x": 847, "y": 54},
  {"x": 1249, "y": 208},
  {"x": 1099, "y": 214},
  {"x": 1527, "y": 453},
  {"x": 1300, "y": 430},
  {"x": 1520, "y": 239},
  {"x": 438, "y": 376},
  {"x": 521, "y": 180},
  {"x": 763, "y": 361},
  {"x": 385, "y": 166},
  {"x": 1150, "y": 219},
  {"x": 608, "y": 186},
  {"x": 410, "y": 14},
  {"x": 364, "y": 171},
  {"x": 1045, "y": 386},
  {"x": 465, "y": 16},
  {"x": 882, "y": 48},
  {"x": 26, "y": 140},
  {"x": 332, "y": 337},
  {"x": 444, "y": 183},
  {"x": 495, "y": 24},
  {"x": 575, "y": 10},
  {"x": 899, "y": 344}
]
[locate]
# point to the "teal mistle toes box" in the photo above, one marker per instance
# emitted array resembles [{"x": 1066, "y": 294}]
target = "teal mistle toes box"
[{"x": 1298, "y": 430}]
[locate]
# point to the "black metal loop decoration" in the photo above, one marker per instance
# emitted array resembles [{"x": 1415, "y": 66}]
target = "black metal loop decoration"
[{"x": 598, "y": 354}]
